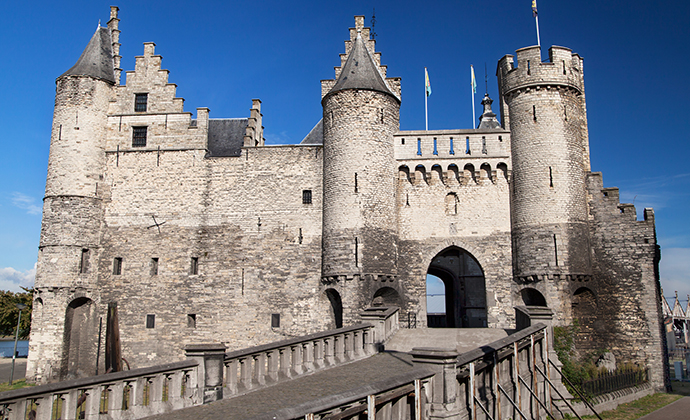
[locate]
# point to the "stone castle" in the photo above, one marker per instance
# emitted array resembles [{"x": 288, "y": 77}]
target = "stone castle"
[{"x": 199, "y": 232}]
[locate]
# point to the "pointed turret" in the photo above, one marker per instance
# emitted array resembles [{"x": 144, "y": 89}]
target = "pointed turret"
[
  {"x": 488, "y": 118},
  {"x": 97, "y": 58},
  {"x": 360, "y": 71}
]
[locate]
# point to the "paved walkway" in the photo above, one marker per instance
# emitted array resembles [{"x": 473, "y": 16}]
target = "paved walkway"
[
  {"x": 678, "y": 410},
  {"x": 301, "y": 390}
]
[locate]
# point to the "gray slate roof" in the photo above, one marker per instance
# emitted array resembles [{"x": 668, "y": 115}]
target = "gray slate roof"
[
  {"x": 97, "y": 58},
  {"x": 360, "y": 72},
  {"x": 226, "y": 136},
  {"x": 315, "y": 136}
]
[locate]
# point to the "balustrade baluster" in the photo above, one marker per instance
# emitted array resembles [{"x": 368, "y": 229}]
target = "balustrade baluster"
[
  {"x": 246, "y": 372},
  {"x": 285, "y": 363},
  {"x": 339, "y": 342},
  {"x": 43, "y": 406},
  {"x": 231, "y": 375},
  {"x": 308, "y": 356},
  {"x": 329, "y": 351},
  {"x": 358, "y": 344},
  {"x": 260, "y": 368},
  {"x": 297, "y": 361},
  {"x": 273, "y": 357},
  {"x": 319, "y": 354}
]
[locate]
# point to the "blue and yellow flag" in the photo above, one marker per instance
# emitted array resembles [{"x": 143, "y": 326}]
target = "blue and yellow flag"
[
  {"x": 474, "y": 81},
  {"x": 534, "y": 8},
  {"x": 427, "y": 85}
]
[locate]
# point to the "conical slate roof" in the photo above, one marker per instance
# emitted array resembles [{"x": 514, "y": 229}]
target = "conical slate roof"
[
  {"x": 97, "y": 58},
  {"x": 360, "y": 71}
]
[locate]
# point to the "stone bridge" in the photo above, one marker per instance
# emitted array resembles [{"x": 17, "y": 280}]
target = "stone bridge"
[{"x": 370, "y": 370}]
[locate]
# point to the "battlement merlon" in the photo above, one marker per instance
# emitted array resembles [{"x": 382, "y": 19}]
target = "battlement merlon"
[{"x": 565, "y": 69}]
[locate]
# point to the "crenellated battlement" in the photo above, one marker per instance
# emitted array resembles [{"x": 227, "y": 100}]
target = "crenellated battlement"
[{"x": 563, "y": 70}]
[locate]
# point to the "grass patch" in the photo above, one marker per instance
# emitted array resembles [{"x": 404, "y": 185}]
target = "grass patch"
[
  {"x": 4, "y": 386},
  {"x": 638, "y": 408}
]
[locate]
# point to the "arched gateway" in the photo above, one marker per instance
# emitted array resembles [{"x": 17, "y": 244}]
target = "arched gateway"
[{"x": 465, "y": 290}]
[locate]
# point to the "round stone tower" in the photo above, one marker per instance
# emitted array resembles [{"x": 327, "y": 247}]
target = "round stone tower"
[
  {"x": 66, "y": 294},
  {"x": 360, "y": 116},
  {"x": 543, "y": 103}
]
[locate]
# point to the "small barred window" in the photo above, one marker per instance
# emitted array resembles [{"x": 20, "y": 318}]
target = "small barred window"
[
  {"x": 306, "y": 196},
  {"x": 140, "y": 102},
  {"x": 139, "y": 137}
]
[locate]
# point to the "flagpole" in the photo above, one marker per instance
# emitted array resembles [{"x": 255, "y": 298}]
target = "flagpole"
[
  {"x": 472, "y": 85},
  {"x": 427, "y": 92},
  {"x": 536, "y": 19}
]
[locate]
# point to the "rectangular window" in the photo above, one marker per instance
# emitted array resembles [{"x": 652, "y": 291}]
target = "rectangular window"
[
  {"x": 84, "y": 262},
  {"x": 140, "y": 100},
  {"x": 275, "y": 320},
  {"x": 306, "y": 196},
  {"x": 154, "y": 266},
  {"x": 483, "y": 145},
  {"x": 150, "y": 321},
  {"x": 194, "y": 269},
  {"x": 452, "y": 151},
  {"x": 191, "y": 320},
  {"x": 467, "y": 146},
  {"x": 139, "y": 136},
  {"x": 419, "y": 147},
  {"x": 435, "y": 146},
  {"x": 117, "y": 266}
]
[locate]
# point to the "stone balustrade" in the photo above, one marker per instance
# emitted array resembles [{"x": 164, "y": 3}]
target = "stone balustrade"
[
  {"x": 260, "y": 366},
  {"x": 123, "y": 395}
]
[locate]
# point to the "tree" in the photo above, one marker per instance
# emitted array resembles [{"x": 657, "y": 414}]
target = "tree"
[{"x": 9, "y": 312}]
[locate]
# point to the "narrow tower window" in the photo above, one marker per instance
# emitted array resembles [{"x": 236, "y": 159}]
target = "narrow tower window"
[
  {"x": 435, "y": 146},
  {"x": 117, "y": 266},
  {"x": 402, "y": 141},
  {"x": 154, "y": 266},
  {"x": 84, "y": 262},
  {"x": 139, "y": 136},
  {"x": 140, "y": 100},
  {"x": 550, "y": 177},
  {"x": 529, "y": 69},
  {"x": 467, "y": 146},
  {"x": 483, "y": 145},
  {"x": 356, "y": 186},
  {"x": 191, "y": 320},
  {"x": 452, "y": 151},
  {"x": 356, "y": 252},
  {"x": 534, "y": 113},
  {"x": 150, "y": 321},
  {"x": 306, "y": 196},
  {"x": 555, "y": 249},
  {"x": 419, "y": 147},
  {"x": 194, "y": 268},
  {"x": 275, "y": 320}
]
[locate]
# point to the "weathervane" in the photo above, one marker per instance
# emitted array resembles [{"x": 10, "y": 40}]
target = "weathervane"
[{"x": 373, "y": 24}]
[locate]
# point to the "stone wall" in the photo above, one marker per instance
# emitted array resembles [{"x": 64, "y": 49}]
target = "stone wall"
[{"x": 625, "y": 283}]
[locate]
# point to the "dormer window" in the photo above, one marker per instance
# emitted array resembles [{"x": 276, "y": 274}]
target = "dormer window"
[{"x": 140, "y": 101}]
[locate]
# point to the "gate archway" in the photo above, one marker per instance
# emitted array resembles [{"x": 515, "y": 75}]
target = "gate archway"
[{"x": 465, "y": 289}]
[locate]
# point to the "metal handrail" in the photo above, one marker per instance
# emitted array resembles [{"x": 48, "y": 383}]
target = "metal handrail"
[{"x": 582, "y": 397}]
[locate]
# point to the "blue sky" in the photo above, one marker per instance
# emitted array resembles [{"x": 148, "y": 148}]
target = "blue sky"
[{"x": 223, "y": 54}]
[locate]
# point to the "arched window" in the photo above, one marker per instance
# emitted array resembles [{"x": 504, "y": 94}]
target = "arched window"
[{"x": 451, "y": 204}]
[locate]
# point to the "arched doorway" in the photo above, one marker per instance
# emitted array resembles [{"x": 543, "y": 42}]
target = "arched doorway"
[
  {"x": 465, "y": 290},
  {"x": 80, "y": 346},
  {"x": 336, "y": 307}
]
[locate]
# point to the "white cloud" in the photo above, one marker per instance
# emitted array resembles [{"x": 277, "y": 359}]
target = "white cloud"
[
  {"x": 11, "y": 279},
  {"x": 25, "y": 202},
  {"x": 675, "y": 272}
]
